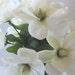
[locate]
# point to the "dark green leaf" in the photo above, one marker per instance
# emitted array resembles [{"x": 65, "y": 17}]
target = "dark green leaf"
[
  {"x": 12, "y": 38},
  {"x": 23, "y": 27},
  {"x": 14, "y": 49},
  {"x": 38, "y": 45}
]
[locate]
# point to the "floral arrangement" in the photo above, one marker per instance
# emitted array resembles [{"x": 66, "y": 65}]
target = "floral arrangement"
[{"x": 40, "y": 35}]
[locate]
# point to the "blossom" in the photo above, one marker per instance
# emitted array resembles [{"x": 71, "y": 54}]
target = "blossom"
[
  {"x": 64, "y": 57},
  {"x": 17, "y": 21},
  {"x": 41, "y": 17},
  {"x": 25, "y": 63},
  {"x": 72, "y": 25},
  {"x": 1, "y": 40},
  {"x": 7, "y": 8}
]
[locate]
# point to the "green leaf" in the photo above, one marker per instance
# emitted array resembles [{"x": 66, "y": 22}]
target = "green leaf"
[
  {"x": 14, "y": 49},
  {"x": 38, "y": 45},
  {"x": 23, "y": 27},
  {"x": 12, "y": 38}
]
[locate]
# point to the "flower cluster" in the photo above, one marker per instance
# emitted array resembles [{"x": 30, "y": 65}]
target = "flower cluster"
[{"x": 40, "y": 35}]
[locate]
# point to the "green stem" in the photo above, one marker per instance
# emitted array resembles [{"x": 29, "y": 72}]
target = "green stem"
[{"x": 16, "y": 31}]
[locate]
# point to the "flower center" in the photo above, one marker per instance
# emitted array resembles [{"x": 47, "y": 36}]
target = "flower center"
[
  {"x": 62, "y": 52},
  {"x": 24, "y": 67},
  {"x": 41, "y": 15}
]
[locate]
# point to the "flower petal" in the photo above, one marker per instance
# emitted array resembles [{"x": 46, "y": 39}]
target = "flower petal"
[
  {"x": 58, "y": 4},
  {"x": 29, "y": 53},
  {"x": 69, "y": 41},
  {"x": 16, "y": 60},
  {"x": 25, "y": 18},
  {"x": 64, "y": 73},
  {"x": 53, "y": 41},
  {"x": 19, "y": 70},
  {"x": 2, "y": 70},
  {"x": 56, "y": 17},
  {"x": 7, "y": 7},
  {"x": 46, "y": 55},
  {"x": 13, "y": 70},
  {"x": 60, "y": 30},
  {"x": 55, "y": 6},
  {"x": 65, "y": 64},
  {"x": 1, "y": 40},
  {"x": 72, "y": 25},
  {"x": 36, "y": 4},
  {"x": 28, "y": 12},
  {"x": 51, "y": 70},
  {"x": 38, "y": 67},
  {"x": 17, "y": 21},
  {"x": 38, "y": 29}
]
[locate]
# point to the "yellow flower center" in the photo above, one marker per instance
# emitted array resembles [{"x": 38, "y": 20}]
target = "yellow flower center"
[{"x": 62, "y": 52}]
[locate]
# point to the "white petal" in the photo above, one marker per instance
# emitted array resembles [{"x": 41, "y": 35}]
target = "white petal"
[
  {"x": 72, "y": 25},
  {"x": 32, "y": 72},
  {"x": 7, "y": 7},
  {"x": 29, "y": 53},
  {"x": 2, "y": 70},
  {"x": 55, "y": 6},
  {"x": 60, "y": 30},
  {"x": 19, "y": 70},
  {"x": 46, "y": 55},
  {"x": 38, "y": 67},
  {"x": 17, "y": 21},
  {"x": 25, "y": 18},
  {"x": 65, "y": 64},
  {"x": 1, "y": 40},
  {"x": 36, "y": 4},
  {"x": 16, "y": 60},
  {"x": 28, "y": 12},
  {"x": 53, "y": 41},
  {"x": 56, "y": 17},
  {"x": 13, "y": 70},
  {"x": 38, "y": 29},
  {"x": 69, "y": 41},
  {"x": 58, "y": 5},
  {"x": 51, "y": 70},
  {"x": 64, "y": 73}
]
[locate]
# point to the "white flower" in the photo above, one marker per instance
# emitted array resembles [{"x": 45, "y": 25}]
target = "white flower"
[
  {"x": 72, "y": 25},
  {"x": 1, "y": 40},
  {"x": 17, "y": 21},
  {"x": 25, "y": 63},
  {"x": 64, "y": 58},
  {"x": 41, "y": 16},
  {"x": 11, "y": 30},
  {"x": 7, "y": 8}
]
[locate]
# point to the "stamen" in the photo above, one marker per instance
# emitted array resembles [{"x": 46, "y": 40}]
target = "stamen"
[
  {"x": 41, "y": 15},
  {"x": 24, "y": 67},
  {"x": 62, "y": 52}
]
